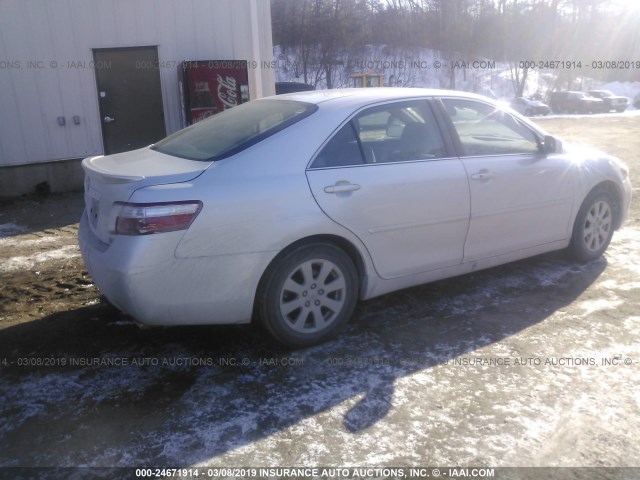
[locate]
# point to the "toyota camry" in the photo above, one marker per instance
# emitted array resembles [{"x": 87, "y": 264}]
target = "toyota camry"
[{"x": 290, "y": 209}]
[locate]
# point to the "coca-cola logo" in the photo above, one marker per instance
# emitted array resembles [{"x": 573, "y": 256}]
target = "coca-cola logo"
[
  {"x": 198, "y": 114},
  {"x": 227, "y": 91}
]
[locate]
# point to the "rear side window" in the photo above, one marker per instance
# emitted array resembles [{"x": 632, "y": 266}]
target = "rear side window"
[
  {"x": 398, "y": 132},
  {"x": 341, "y": 150},
  {"x": 234, "y": 130}
]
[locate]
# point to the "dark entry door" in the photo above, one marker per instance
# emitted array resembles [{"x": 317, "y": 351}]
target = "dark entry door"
[{"x": 130, "y": 97}]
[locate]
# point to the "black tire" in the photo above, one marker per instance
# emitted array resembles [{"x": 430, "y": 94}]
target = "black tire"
[
  {"x": 308, "y": 295},
  {"x": 593, "y": 227}
]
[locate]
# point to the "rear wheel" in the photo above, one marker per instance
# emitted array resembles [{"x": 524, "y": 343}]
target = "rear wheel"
[
  {"x": 308, "y": 295},
  {"x": 593, "y": 229}
]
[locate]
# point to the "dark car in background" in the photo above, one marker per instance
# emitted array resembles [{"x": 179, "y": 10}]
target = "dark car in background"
[
  {"x": 611, "y": 101},
  {"x": 292, "y": 87},
  {"x": 529, "y": 106},
  {"x": 575, "y": 102}
]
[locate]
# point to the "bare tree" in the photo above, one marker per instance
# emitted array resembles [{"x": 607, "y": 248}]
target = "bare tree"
[{"x": 324, "y": 33}]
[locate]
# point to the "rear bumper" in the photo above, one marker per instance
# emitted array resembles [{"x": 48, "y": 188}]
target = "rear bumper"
[{"x": 142, "y": 277}]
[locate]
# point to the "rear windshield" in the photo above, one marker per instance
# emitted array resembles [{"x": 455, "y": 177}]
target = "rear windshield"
[{"x": 234, "y": 130}]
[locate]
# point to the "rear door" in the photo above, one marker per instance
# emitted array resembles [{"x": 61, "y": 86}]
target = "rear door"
[
  {"x": 387, "y": 176},
  {"x": 130, "y": 97},
  {"x": 520, "y": 198}
]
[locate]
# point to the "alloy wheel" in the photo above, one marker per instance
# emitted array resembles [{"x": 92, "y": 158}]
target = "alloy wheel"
[
  {"x": 313, "y": 295},
  {"x": 597, "y": 226}
]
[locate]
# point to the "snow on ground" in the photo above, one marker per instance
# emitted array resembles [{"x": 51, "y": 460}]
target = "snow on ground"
[
  {"x": 395, "y": 393},
  {"x": 28, "y": 262},
  {"x": 625, "y": 89},
  {"x": 431, "y": 69},
  {"x": 41, "y": 246}
]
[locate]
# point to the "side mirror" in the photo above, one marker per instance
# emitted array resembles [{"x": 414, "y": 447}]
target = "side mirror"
[{"x": 551, "y": 145}]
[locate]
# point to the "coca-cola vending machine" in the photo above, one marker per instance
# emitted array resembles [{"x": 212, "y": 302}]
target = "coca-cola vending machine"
[{"x": 211, "y": 86}]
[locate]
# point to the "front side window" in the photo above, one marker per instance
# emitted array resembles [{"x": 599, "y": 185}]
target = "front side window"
[
  {"x": 486, "y": 130},
  {"x": 234, "y": 130}
]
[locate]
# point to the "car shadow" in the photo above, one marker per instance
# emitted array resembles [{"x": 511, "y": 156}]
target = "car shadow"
[
  {"x": 40, "y": 213},
  {"x": 186, "y": 395}
]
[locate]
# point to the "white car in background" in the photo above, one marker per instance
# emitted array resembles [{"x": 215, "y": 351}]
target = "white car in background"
[{"x": 289, "y": 209}]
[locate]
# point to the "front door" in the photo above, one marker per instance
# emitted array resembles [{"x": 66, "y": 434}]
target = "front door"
[
  {"x": 130, "y": 97},
  {"x": 520, "y": 198}
]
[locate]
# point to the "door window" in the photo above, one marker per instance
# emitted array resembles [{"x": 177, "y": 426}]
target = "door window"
[
  {"x": 341, "y": 150},
  {"x": 485, "y": 130},
  {"x": 396, "y": 132}
]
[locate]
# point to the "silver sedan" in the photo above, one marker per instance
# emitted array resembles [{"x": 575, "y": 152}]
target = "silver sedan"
[{"x": 290, "y": 209}]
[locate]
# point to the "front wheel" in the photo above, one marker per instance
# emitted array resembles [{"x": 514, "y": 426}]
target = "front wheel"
[
  {"x": 308, "y": 295},
  {"x": 593, "y": 229}
]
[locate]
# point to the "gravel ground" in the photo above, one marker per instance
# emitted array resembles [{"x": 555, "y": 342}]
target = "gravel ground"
[{"x": 533, "y": 364}]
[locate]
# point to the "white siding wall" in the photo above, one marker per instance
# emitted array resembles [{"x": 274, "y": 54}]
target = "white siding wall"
[{"x": 46, "y": 51}]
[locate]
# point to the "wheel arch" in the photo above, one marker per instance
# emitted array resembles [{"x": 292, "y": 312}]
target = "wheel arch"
[
  {"x": 614, "y": 190},
  {"x": 342, "y": 243}
]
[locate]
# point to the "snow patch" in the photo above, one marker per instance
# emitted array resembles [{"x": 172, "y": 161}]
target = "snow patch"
[
  {"x": 28, "y": 262},
  {"x": 21, "y": 242},
  {"x": 615, "y": 285},
  {"x": 591, "y": 306},
  {"x": 416, "y": 67},
  {"x": 624, "y": 249}
]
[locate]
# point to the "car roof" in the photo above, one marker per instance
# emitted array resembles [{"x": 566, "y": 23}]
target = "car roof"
[
  {"x": 347, "y": 100},
  {"x": 365, "y": 96}
]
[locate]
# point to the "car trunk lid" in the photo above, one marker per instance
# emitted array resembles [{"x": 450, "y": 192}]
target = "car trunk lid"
[{"x": 114, "y": 178}]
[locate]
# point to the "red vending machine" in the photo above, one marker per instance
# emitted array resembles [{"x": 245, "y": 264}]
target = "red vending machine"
[{"x": 211, "y": 86}]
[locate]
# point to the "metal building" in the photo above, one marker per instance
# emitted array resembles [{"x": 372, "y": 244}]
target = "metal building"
[{"x": 58, "y": 59}]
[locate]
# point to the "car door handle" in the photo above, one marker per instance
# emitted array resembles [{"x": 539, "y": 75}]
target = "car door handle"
[
  {"x": 341, "y": 187},
  {"x": 484, "y": 175}
]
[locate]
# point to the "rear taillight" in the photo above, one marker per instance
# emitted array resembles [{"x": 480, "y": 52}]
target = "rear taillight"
[{"x": 148, "y": 218}]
